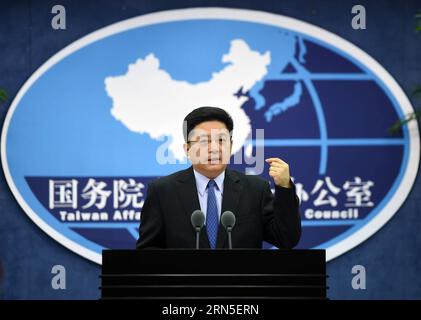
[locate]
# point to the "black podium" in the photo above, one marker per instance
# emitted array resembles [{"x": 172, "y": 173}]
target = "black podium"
[{"x": 213, "y": 274}]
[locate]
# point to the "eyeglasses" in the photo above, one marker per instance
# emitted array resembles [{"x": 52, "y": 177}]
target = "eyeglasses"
[{"x": 203, "y": 142}]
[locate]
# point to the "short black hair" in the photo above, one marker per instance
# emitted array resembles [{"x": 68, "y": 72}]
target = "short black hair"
[{"x": 203, "y": 114}]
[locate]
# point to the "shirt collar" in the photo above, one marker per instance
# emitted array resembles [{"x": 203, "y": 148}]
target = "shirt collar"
[{"x": 202, "y": 182}]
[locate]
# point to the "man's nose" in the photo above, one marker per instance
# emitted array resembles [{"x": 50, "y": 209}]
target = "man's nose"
[{"x": 214, "y": 146}]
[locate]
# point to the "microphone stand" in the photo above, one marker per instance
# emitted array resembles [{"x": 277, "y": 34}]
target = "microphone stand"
[
  {"x": 229, "y": 237},
  {"x": 197, "y": 237}
]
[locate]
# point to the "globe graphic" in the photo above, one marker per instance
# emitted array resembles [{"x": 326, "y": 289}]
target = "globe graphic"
[{"x": 319, "y": 108}]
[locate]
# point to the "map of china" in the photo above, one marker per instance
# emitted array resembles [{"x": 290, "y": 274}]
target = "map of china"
[{"x": 147, "y": 100}]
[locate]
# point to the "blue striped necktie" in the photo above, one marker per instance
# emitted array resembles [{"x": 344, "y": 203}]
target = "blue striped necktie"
[{"x": 212, "y": 222}]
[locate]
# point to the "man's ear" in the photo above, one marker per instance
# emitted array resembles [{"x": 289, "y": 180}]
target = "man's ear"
[{"x": 186, "y": 149}]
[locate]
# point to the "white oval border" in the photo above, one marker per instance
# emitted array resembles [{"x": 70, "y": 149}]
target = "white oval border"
[{"x": 239, "y": 15}]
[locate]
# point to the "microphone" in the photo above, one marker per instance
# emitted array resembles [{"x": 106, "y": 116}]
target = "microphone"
[
  {"x": 228, "y": 221},
  {"x": 197, "y": 220}
]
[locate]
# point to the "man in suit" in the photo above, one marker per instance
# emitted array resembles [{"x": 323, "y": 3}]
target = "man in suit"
[{"x": 208, "y": 185}]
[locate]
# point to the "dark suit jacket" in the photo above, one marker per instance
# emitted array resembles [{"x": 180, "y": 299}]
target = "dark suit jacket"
[{"x": 170, "y": 201}]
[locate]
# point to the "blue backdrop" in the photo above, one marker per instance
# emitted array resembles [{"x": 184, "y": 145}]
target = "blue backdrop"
[{"x": 391, "y": 257}]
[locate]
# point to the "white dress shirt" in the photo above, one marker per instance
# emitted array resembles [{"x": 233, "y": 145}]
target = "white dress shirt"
[{"x": 202, "y": 191}]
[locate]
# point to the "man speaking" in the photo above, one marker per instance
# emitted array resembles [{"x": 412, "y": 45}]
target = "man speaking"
[{"x": 209, "y": 186}]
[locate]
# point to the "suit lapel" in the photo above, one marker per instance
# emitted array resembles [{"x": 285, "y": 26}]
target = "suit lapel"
[
  {"x": 230, "y": 198},
  {"x": 187, "y": 192}
]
